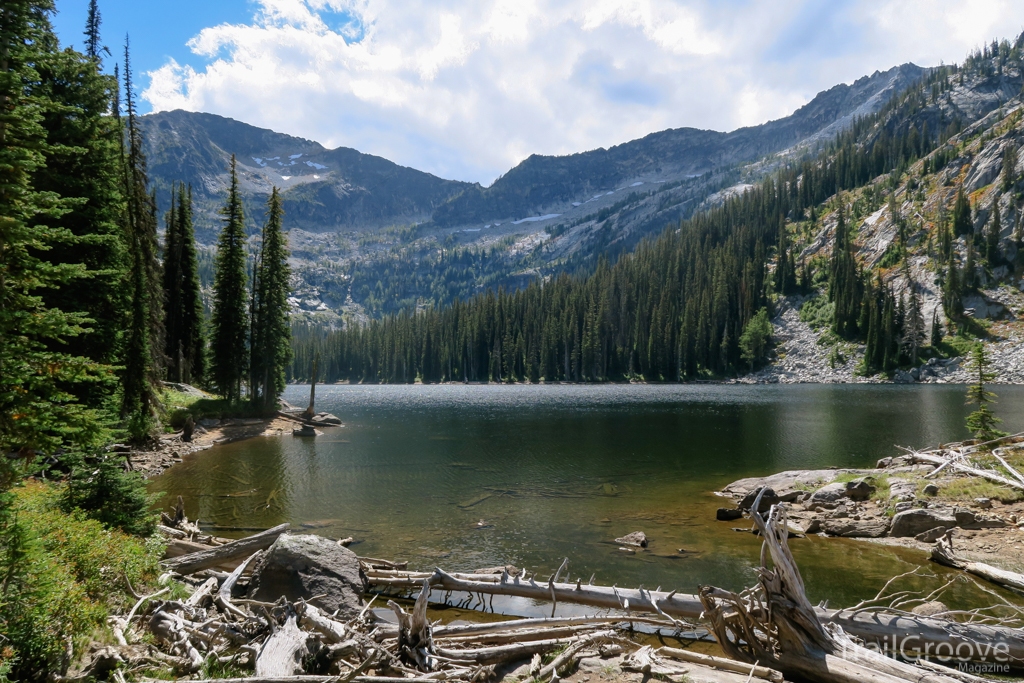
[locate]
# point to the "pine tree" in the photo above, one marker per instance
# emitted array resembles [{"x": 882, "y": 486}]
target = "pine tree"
[
  {"x": 1009, "y": 177},
  {"x": 144, "y": 339},
  {"x": 995, "y": 228},
  {"x": 936, "y": 332},
  {"x": 962, "y": 223},
  {"x": 38, "y": 413},
  {"x": 970, "y": 268},
  {"x": 183, "y": 306},
  {"x": 230, "y": 322},
  {"x": 92, "y": 31},
  {"x": 271, "y": 332},
  {"x": 982, "y": 423},
  {"x": 82, "y": 160},
  {"x": 952, "y": 295},
  {"x": 913, "y": 327}
]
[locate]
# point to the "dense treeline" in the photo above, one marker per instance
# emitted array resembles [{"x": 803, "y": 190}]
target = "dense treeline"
[
  {"x": 681, "y": 306},
  {"x": 94, "y": 313}
]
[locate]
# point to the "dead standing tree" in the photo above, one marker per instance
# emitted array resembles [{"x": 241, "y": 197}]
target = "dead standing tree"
[{"x": 775, "y": 625}]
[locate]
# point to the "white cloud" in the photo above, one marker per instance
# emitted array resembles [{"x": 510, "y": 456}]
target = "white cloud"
[{"x": 467, "y": 88}]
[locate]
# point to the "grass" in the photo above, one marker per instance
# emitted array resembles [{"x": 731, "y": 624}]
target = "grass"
[{"x": 969, "y": 488}]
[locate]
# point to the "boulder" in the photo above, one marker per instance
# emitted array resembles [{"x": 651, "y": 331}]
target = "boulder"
[
  {"x": 883, "y": 463},
  {"x": 916, "y": 521},
  {"x": 829, "y": 494},
  {"x": 767, "y": 500},
  {"x": 728, "y": 514},
  {"x": 307, "y": 566},
  {"x": 902, "y": 490},
  {"x": 848, "y": 528},
  {"x": 637, "y": 538},
  {"x": 967, "y": 519},
  {"x": 860, "y": 489},
  {"x": 931, "y": 490},
  {"x": 983, "y": 503}
]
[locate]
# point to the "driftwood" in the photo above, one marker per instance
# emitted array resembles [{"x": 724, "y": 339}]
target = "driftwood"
[
  {"x": 879, "y": 628},
  {"x": 774, "y": 624},
  {"x": 212, "y": 557},
  {"x": 283, "y": 651},
  {"x": 722, "y": 663},
  {"x": 944, "y": 554}
]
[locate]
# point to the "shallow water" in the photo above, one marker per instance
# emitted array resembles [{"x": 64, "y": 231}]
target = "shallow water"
[{"x": 472, "y": 476}]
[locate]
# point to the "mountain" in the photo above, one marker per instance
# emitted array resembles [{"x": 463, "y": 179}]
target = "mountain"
[
  {"x": 545, "y": 182},
  {"x": 370, "y": 237},
  {"x": 323, "y": 189}
]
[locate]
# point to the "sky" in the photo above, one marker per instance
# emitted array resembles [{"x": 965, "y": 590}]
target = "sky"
[{"x": 466, "y": 89}]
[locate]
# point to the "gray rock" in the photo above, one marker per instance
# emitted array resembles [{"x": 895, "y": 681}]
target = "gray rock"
[
  {"x": 913, "y": 522},
  {"x": 830, "y": 494},
  {"x": 767, "y": 500},
  {"x": 883, "y": 463},
  {"x": 983, "y": 503},
  {"x": 931, "y": 490},
  {"x": 637, "y": 538},
  {"x": 902, "y": 377},
  {"x": 728, "y": 514},
  {"x": 868, "y": 528},
  {"x": 902, "y": 490},
  {"x": 967, "y": 519},
  {"x": 931, "y": 535},
  {"x": 860, "y": 489},
  {"x": 304, "y": 566},
  {"x": 904, "y": 505}
]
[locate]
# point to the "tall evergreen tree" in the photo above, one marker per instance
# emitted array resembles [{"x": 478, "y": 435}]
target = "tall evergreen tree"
[
  {"x": 38, "y": 413},
  {"x": 230, "y": 322},
  {"x": 144, "y": 339},
  {"x": 995, "y": 228},
  {"x": 271, "y": 332},
  {"x": 913, "y": 327},
  {"x": 962, "y": 223},
  {"x": 1009, "y": 176},
  {"x": 184, "y": 346},
  {"x": 83, "y": 160},
  {"x": 92, "y": 31}
]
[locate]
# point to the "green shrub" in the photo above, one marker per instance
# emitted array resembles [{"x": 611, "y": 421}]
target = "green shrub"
[
  {"x": 818, "y": 312},
  {"x": 101, "y": 488},
  {"x": 61, "y": 574}
]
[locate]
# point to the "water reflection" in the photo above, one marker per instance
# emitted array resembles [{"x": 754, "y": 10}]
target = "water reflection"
[{"x": 473, "y": 476}]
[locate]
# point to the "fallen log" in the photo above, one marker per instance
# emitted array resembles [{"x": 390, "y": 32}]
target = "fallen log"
[
  {"x": 940, "y": 461},
  {"x": 235, "y": 550},
  {"x": 721, "y": 663},
  {"x": 944, "y": 554},
  {"x": 916, "y": 635}
]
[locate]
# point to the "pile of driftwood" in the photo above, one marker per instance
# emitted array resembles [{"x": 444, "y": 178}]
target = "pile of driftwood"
[{"x": 768, "y": 632}]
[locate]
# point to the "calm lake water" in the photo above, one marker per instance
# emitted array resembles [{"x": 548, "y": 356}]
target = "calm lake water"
[{"x": 472, "y": 476}]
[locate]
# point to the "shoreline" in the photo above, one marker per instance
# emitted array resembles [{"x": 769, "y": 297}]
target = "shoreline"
[
  {"x": 170, "y": 449},
  {"x": 894, "y": 505}
]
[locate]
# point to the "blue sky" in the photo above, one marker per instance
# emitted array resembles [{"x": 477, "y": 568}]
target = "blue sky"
[
  {"x": 466, "y": 89},
  {"x": 159, "y": 29}
]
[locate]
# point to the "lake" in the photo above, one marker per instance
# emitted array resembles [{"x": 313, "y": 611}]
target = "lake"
[{"x": 469, "y": 476}]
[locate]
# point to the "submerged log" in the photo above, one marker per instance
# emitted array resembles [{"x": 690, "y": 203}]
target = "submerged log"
[
  {"x": 944, "y": 554},
  {"x": 236, "y": 550}
]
